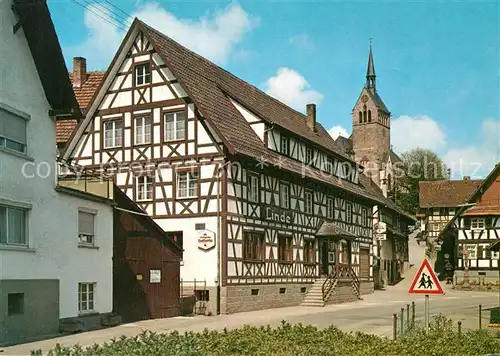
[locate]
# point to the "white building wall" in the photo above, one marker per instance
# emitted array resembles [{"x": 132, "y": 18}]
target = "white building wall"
[
  {"x": 52, "y": 251},
  {"x": 196, "y": 263}
]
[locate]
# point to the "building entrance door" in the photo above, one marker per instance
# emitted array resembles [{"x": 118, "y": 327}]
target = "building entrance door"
[{"x": 323, "y": 256}]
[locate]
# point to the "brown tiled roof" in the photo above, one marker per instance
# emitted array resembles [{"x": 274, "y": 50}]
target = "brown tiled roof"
[
  {"x": 483, "y": 210},
  {"x": 446, "y": 193},
  {"x": 210, "y": 87},
  {"x": 83, "y": 94}
]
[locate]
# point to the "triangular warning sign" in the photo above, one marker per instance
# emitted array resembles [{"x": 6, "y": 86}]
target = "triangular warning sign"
[{"x": 425, "y": 281}]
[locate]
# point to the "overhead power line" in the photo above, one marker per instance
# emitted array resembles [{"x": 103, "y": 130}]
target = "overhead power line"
[{"x": 102, "y": 15}]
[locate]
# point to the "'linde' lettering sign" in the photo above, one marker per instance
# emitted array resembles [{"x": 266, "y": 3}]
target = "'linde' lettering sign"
[{"x": 277, "y": 215}]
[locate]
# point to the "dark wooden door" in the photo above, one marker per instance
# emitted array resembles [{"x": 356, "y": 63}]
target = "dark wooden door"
[{"x": 364, "y": 263}]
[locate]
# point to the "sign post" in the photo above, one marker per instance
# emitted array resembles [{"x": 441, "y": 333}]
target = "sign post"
[{"x": 426, "y": 282}]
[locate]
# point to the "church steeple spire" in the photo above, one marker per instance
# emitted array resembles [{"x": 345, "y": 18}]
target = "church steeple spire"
[{"x": 370, "y": 71}]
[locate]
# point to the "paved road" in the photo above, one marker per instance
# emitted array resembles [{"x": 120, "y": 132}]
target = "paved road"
[{"x": 373, "y": 314}]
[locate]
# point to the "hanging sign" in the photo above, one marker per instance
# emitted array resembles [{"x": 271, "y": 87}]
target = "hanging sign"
[
  {"x": 380, "y": 230},
  {"x": 425, "y": 281},
  {"x": 206, "y": 240}
]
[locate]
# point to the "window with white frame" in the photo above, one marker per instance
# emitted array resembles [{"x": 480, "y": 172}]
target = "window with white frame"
[
  {"x": 144, "y": 188},
  {"x": 285, "y": 195},
  {"x": 86, "y": 227},
  {"x": 187, "y": 184},
  {"x": 142, "y": 74},
  {"x": 477, "y": 223},
  {"x": 175, "y": 126},
  {"x": 285, "y": 144},
  {"x": 142, "y": 130},
  {"x": 308, "y": 202},
  {"x": 253, "y": 188},
  {"x": 329, "y": 208},
  {"x": 13, "y": 223},
  {"x": 113, "y": 133},
  {"x": 86, "y": 297},
  {"x": 12, "y": 131},
  {"x": 348, "y": 212},
  {"x": 451, "y": 211}
]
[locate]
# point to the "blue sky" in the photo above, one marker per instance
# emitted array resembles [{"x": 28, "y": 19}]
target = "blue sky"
[{"x": 437, "y": 63}]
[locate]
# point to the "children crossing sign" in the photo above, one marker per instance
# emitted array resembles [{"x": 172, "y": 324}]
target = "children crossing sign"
[{"x": 425, "y": 281}]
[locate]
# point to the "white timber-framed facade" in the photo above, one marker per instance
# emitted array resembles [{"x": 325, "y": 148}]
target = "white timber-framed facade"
[{"x": 257, "y": 193}]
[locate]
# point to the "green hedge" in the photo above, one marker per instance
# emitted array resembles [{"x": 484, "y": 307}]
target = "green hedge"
[{"x": 442, "y": 339}]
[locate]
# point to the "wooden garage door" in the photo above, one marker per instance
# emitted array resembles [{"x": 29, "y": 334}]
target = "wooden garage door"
[{"x": 364, "y": 263}]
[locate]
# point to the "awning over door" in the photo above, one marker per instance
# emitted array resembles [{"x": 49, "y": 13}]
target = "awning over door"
[{"x": 333, "y": 230}]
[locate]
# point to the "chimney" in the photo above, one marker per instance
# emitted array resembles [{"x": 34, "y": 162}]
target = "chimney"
[
  {"x": 311, "y": 117},
  {"x": 79, "y": 71}
]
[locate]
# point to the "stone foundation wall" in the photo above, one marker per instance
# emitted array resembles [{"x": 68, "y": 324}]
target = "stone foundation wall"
[
  {"x": 235, "y": 299},
  {"x": 366, "y": 287},
  {"x": 484, "y": 281},
  {"x": 343, "y": 293}
]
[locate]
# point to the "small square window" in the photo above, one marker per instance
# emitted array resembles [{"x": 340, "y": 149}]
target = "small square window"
[
  {"x": 282, "y": 290},
  {"x": 255, "y": 292},
  {"x": 143, "y": 74},
  {"x": 15, "y": 303}
]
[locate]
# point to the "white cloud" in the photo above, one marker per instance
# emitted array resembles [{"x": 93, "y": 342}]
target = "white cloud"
[
  {"x": 476, "y": 160},
  {"x": 409, "y": 132},
  {"x": 213, "y": 36},
  {"x": 337, "y": 131},
  {"x": 302, "y": 41},
  {"x": 291, "y": 88},
  {"x": 103, "y": 38}
]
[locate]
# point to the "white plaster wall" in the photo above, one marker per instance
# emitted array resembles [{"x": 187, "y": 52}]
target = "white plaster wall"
[
  {"x": 197, "y": 264},
  {"x": 53, "y": 219}
]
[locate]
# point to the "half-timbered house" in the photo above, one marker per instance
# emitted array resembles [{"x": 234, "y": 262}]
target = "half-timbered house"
[
  {"x": 256, "y": 193},
  {"x": 474, "y": 228},
  {"x": 439, "y": 201}
]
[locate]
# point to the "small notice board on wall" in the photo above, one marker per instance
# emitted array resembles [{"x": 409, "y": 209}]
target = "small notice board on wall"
[{"x": 154, "y": 276}]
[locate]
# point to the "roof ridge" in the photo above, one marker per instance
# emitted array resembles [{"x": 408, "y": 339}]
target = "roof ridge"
[{"x": 225, "y": 70}]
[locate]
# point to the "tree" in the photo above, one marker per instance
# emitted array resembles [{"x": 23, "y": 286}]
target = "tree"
[{"x": 417, "y": 165}]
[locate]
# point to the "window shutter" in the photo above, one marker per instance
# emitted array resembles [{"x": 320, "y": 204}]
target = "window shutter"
[
  {"x": 12, "y": 126},
  {"x": 467, "y": 223},
  {"x": 86, "y": 223}
]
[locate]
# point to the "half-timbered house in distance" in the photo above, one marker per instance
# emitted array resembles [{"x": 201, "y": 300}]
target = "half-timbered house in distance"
[{"x": 256, "y": 193}]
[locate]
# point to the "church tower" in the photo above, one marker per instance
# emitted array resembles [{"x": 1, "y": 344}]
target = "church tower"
[{"x": 371, "y": 127}]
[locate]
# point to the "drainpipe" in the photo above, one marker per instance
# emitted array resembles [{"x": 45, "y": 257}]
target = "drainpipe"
[{"x": 219, "y": 234}]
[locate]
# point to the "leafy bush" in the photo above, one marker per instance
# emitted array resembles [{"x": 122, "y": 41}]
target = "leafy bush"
[{"x": 441, "y": 339}]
